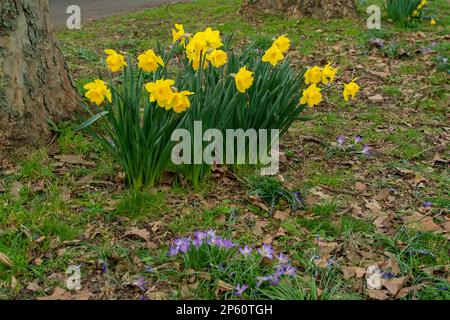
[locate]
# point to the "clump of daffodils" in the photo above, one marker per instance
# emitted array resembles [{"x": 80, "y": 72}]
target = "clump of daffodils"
[
  {"x": 316, "y": 75},
  {"x": 418, "y": 11},
  {"x": 242, "y": 89}
]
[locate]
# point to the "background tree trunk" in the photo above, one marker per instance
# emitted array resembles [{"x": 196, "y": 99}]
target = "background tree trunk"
[
  {"x": 34, "y": 82},
  {"x": 311, "y": 8}
]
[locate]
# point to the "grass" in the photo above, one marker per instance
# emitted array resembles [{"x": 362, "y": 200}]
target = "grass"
[{"x": 76, "y": 215}]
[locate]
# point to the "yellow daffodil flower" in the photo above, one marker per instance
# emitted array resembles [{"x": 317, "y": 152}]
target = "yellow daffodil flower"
[
  {"x": 218, "y": 58},
  {"x": 328, "y": 74},
  {"x": 311, "y": 96},
  {"x": 273, "y": 55},
  {"x": 283, "y": 43},
  {"x": 433, "y": 22},
  {"x": 115, "y": 61},
  {"x": 350, "y": 89},
  {"x": 244, "y": 79},
  {"x": 201, "y": 44},
  {"x": 161, "y": 92},
  {"x": 180, "y": 101},
  {"x": 212, "y": 38},
  {"x": 195, "y": 58},
  {"x": 178, "y": 34},
  {"x": 415, "y": 13},
  {"x": 149, "y": 61},
  {"x": 313, "y": 75},
  {"x": 196, "y": 44},
  {"x": 422, "y": 4},
  {"x": 97, "y": 92}
]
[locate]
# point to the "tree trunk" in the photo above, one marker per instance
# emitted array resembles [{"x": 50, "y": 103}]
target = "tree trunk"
[
  {"x": 34, "y": 81},
  {"x": 325, "y": 9}
]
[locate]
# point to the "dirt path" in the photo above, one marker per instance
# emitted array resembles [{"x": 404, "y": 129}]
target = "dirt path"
[{"x": 94, "y": 9}]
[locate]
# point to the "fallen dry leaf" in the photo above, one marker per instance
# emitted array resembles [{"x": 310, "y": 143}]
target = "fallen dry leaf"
[
  {"x": 382, "y": 195},
  {"x": 326, "y": 248},
  {"x": 376, "y": 98},
  {"x": 224, "y": 286},
  {"x": 360, "y": 187},
  {"x": 258, "y": 228},
  {"x": 33, "y": 286},
  {"x": 281, "y": 215},
  {"x": 141, "y": 233},
  {"x": 446, "y": 226},
  {"x": 377, "y": 294},
  {"x": 74, "y": 159},
  {"x": 351, "y": 272},
  {"x": 420, "y": 222},
  {"x": 404, "y": 292},
  {"x": 394, "y": 285},
  {"x": 13, "y": 282},
  {"x": 373, "y": 206},
  {"x": 4, "y": 259}
]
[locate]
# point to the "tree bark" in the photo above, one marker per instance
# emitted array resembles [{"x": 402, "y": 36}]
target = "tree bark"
[
  {"x": 34, "y": 82},
  {"x": 324, "y": 9}
]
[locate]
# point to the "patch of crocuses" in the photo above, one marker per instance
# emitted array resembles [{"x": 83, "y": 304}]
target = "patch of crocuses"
[
  {"x": 209, "y": 239},
  {"x": 352, "y": 145}
]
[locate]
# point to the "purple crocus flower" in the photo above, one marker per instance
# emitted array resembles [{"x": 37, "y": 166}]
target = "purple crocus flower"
[
  {"x": 140, "y": 283},
  {"x": 104, "y": 267},
  {"x": 388, "y": 275},
  {"x": 200, "y": 235},
  {"x": 341, "y": 141},
  {"x": 358, "y": 139},
  {"x": 197, "y": 242},
  {"x": 215, "y": 241},
  {"x": 366, "y": 150},
  {"x": 261, "y": 280},
  {"x": 427, "y": 204},
  {"x": 240, "y": 290},
  {"x": 246, "y": 250},
  {"x": 276, "y": 277},
  {"x": 282, "y": 259},
  {"x": 185, "y": 244},
  {"x": 178, "y": 242},
  {"x": 266, "y": 251},
  {"x": 149, "y": 269},
  {"x": 227, "y": 244},
  {"x": 289, "y": 270},
  {"x": 211, "y": 233},
  {"x": 299, "y": 198},
  {"x": 173, "y": 251}
]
